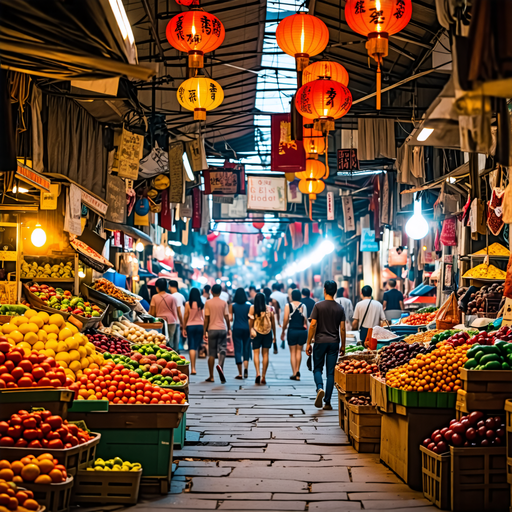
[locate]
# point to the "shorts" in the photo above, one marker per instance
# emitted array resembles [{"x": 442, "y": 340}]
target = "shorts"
[
  {"x": 217, "y": 342},
  {"x": 262, "y": 341},
  {"x": 297, "y": 337},
  {"x": 194, "y": 336}
]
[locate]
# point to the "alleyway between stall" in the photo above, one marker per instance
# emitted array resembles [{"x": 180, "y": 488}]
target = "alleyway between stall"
[{"x": 268, "y": 448}]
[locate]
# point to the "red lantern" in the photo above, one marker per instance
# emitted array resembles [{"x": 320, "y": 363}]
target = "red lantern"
[
  {"x": 258, "y": 225},
  {"x": 315, "y": 170},
  {"x": 324, "y": 101},
  {"x": 187, "y": 3},
  {"x": 302, "y": 36},
  {"x": 378, "y": 19},
  {"x": 312, "y": 140},
  {"x": 195, "y": 32},
  {"x": 325, "y": 69},
  {"x": 212, "y": 236}
]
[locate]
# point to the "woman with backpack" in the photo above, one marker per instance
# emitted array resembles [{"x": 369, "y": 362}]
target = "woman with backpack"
[
  {"x": 263, "y": 333},
  {"x": 295, "y": 318}
]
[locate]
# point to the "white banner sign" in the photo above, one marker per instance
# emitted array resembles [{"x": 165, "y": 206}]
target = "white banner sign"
[
  {"x": 266, "y": 194},
  {"x": 330, "y": 205}
]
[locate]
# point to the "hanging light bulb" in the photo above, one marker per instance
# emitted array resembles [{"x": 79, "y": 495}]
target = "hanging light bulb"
[
  {"x": 139, "y": 247},
  {"x": 38, "y": 236},
  {"x": 417, "y": 227},
  {"x": 81, "y": 273}
]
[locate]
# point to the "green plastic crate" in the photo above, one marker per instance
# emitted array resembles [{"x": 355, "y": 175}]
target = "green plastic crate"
[
  {"x": 426, "y": 399},
  {"x": 410, "y": 398},
  {"x": 151, "y": 447},
  {"x": 180, "y": 433},
  {"x": 446, "y": 400},
  {"x": 89, "y": 406},
  {"x": 395, "y": 395}
]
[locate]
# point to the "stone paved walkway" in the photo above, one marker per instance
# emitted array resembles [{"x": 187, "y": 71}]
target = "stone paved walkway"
[{"x": 267, "y": 448}]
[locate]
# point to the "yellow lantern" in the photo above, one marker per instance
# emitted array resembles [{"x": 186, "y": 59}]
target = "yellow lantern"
[
  {"x": 315, "y": 170},
  {"x": 200, "y": 94},
  {"x": 311, "y": 187},
  {"x": 290, "y": 176}
]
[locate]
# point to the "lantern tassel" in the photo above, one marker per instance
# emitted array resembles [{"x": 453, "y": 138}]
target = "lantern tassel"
[
  {"x": 310, "y": 209},
  {"x": 326, "y": 156},
  {"x": 379, "y": 75}
]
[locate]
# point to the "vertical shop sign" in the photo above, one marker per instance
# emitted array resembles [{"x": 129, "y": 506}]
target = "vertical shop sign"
[
  {"x": 347, "y": 160},
  {"x": 177, "y": 189},
  {"x": 348, "y": 213},
  {"x": 116, "y": 199},
  {"x": 72, "y": 222},
  {"x": 368, "y": 243},
  {"x": 129, "y": 153},
  {"x": 286, "y": 155},
  {"x": 166, "y": 214},
  {"x": 196, "y": 206},
  {"x": 49, "y": 199},
  {"x": 266, "y": 194},
  {"x": 330, "y": 205},
  {"x": 186, "y": 209}
]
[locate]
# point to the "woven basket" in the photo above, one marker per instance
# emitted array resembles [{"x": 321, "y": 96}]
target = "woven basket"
[{"x": 442, "y": 324}]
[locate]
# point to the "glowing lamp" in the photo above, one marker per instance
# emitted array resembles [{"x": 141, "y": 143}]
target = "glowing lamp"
[
  {"x": 417, "y": 227},
  {"x": 315, "y": 170},
  {"x": 377, "y": 20},
  {"x": 195, "y": 32},
  {"x": 302, "y": 36},
  {"x": 325, "y": 69},
  {"x": 324, "y": 101},
  {"x": 139, "y": 247},
  {"x": 200, "y": 94},
  {"x": 312, "y": 140},
  {"x": 311, "y": 187},
  {"x": 38, "y": 236}
]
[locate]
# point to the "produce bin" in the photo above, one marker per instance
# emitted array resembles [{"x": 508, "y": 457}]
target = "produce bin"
[
  {"x": 55, "y": 497},
  {"x": 107, "y": 487},
  {"x": 364, "y": 427},
  {"x": 180, "y": 433},
  {"x": 467, "y": 401},
  {"x": 89, "y": 406},
  {"x": 379, "y": 394},
  {"x": 353, "y": 382},
  {"x": 56, "y": 400},
  {"x": 436, "y": 474}
]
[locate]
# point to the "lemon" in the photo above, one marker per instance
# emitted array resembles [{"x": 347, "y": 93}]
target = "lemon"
[
  {"x": 90, "y": 359},
  {"x": 16, "y": 336},
  {"x": 52, "y": 336},
  {"x": 92, "y": 397},
  {"x": 79, "y": 373},
  {"x": 84, "y": 362},
  {"x": 51, "y": 328},
  {"x": 18, "y": 320},
  {"x": 42, "y": 335},
  {"x": 84, "y": 340},
  {"x": 30, "y": 313},
  {"x": 79, "y": 338},
  {"x": 72, "y": 343},
  {"x": 62, "y": 356},
  {"x": 56, "y": 319},
  {"x": 72, "y": 328},
  {"x": 80, "y": 397},
  {"x": 83, "y": 352},
  {"x": 44, "y": 315},
  {"x": 49, "y": 352},
  {"x": 38, "y": 345},
  {"x": 74, "y": 355},
  {"x": 62, "y": 346},
  {"x": 64, "y": 334},
  {"x": 90, "y": 348},
  {"x": 24, "y": 328},
  {"x": 38, "y": 320},
  {"x": 51, "y": 344},
  {"x": 31, "y": 337},
  {"x": 8, "y": 328},
  {"x": 75, "y": 366},
  {"x": 62, "y": 364}
]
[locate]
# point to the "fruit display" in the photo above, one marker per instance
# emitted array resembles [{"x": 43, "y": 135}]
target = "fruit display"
[
  {"x": 52, "y": 336},
  {"x": 13, "y": 499},
  {"x": 57, "y": 270},
  {"x": 12, "y": 310},
  {"x": 133, "y": 332},
  {"x": 487, "y": 299},
  {"x": 40, "y": 429},
  {"x": 442, "y": 336},
  {"x": 485, "y": 271},
  {"x": 419, "y": 318},
  {"x": 360, "y": 400},
  {"x": 160, "y": 351},
  {"x": 494, "y": 249},
  {"x": 116, "y": 464},
  {"x": 437, "y": 371},
  {"x": 399, "y": 353},
  {"x": 490, "y": 357},
  {"x": 351, "y": 349},
  {"x": 422, "y": 337},
  {"x": 118, "y": 384},
  {"x": 65, "y": 301},
  {"x": 105, "y": 286},
  {"x": 110, "y": 343},
  {"x": 19, "y": 370},
  {"x": 428, "y": 309},
  {"x": 44, "y": 469},
  {"x": 475, "y": 429},
  {"x": 356, "y": 366}
]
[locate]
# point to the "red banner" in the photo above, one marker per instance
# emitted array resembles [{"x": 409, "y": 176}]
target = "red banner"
[
  {"x": 196, "y": 208},
  {"x": 286, "y": 155},
  {"x": 165, "y": 216}
]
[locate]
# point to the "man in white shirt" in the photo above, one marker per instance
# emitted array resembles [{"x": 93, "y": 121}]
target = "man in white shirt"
[
  {"x": 180, "y": 304},
  {"x": 347, "y": 306},
  {"x": 281, "y": 299},
  {"x": 367, "y": 314}
]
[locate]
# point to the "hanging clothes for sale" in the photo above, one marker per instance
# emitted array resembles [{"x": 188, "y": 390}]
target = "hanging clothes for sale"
[
  {"x": 495, "y": 211},
  {"x": 376, "y": 138}
]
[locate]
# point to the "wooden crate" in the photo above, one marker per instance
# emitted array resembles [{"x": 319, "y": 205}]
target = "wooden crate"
[
  {"x": 379, "y": 394},
  {"x": 401, "y": 434},
  {"x": 486, "y": 381},
  {"x": 364, "y": 427},
  {"x": 352, "y": 382},
  {"x": 55, "y": 497},
  {"x": 436, "y": 473},
  {"x": 365, "y": 445},
  {"x": 468, "y": 401},
  {"x": 341, "y": 410},
  {"x": 479, "y": 480}
]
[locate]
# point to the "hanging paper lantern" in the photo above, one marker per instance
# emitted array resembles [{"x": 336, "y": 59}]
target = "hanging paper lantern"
[
  {"x": 290, "y": 176},
  {"x": 324, "y": 101},
  {"x": 187, "y": 2},
  {"x": 378, "y": 19},
  {"x": 302, "y": 36},
  {"x": 212, "y": 236},
  {"x": 195, "y": 32},
  {"x": 315, "y": 170},
  {"x": 325, "y": 69},
  {"x": 311, "y": 188},
  {"x": 312, "y": 140},
  {"x": 258, "y": 225},
  {"x": 200, "y": 94}
]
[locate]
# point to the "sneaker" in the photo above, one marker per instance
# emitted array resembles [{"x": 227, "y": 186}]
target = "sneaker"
[
  {"x": 246, "y": 373},
  {"x": 327, "y": 407},
  {"x": 319, "y": 397},
  {"x": 221, "y": 374}
]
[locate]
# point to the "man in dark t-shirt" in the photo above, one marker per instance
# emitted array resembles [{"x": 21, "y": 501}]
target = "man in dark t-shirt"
[
  {"x": 393, "y": 298},
  {"x": 327, "y": 327},
  {"x": 308, "y": 301}
]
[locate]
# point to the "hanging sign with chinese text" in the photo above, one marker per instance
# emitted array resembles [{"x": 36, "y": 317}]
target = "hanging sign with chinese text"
[
  {"x": 129, "y": 153},
  {"x": 347, "y": 160},
  {"x": 287, "y": 155},
  {"x": 348, "y": 213},
  {"x": 224, "y": 181},
  {"x": 330, "y": 205},
  {"x": 266, "y": 194}
]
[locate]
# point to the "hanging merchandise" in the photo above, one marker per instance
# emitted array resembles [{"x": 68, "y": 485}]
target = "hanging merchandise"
[
  {"x": 325, "y": 69},
  {"x": 161, "y": 182},
  {"x": 200, "y": 94},
  {"x": 449, "y": 232},
  {"x": 302, "y": 36},
  {"x": 378, "y": 19},
  {"x": 507, "y": 205},
  {"x": 495, "y": 211},
  {"x": 195, "y": 32},
  {"x": 142, "y": 206}
]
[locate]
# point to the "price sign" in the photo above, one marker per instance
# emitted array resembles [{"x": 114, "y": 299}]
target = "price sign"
[{"x": 266, "y": 194}]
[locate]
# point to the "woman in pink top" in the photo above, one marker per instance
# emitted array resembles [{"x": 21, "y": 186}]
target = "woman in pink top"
[{"x": 194, "y": 324}]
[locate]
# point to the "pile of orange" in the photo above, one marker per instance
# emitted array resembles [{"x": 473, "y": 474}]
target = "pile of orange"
[
  {"x": 438, "y": 371},
  {"x": 13, "y": 499},
  {"x": 41, "y": 470}
]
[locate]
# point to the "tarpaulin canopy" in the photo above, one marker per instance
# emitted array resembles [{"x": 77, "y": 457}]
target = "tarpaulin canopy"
[{"x": 65, "y": 40}]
